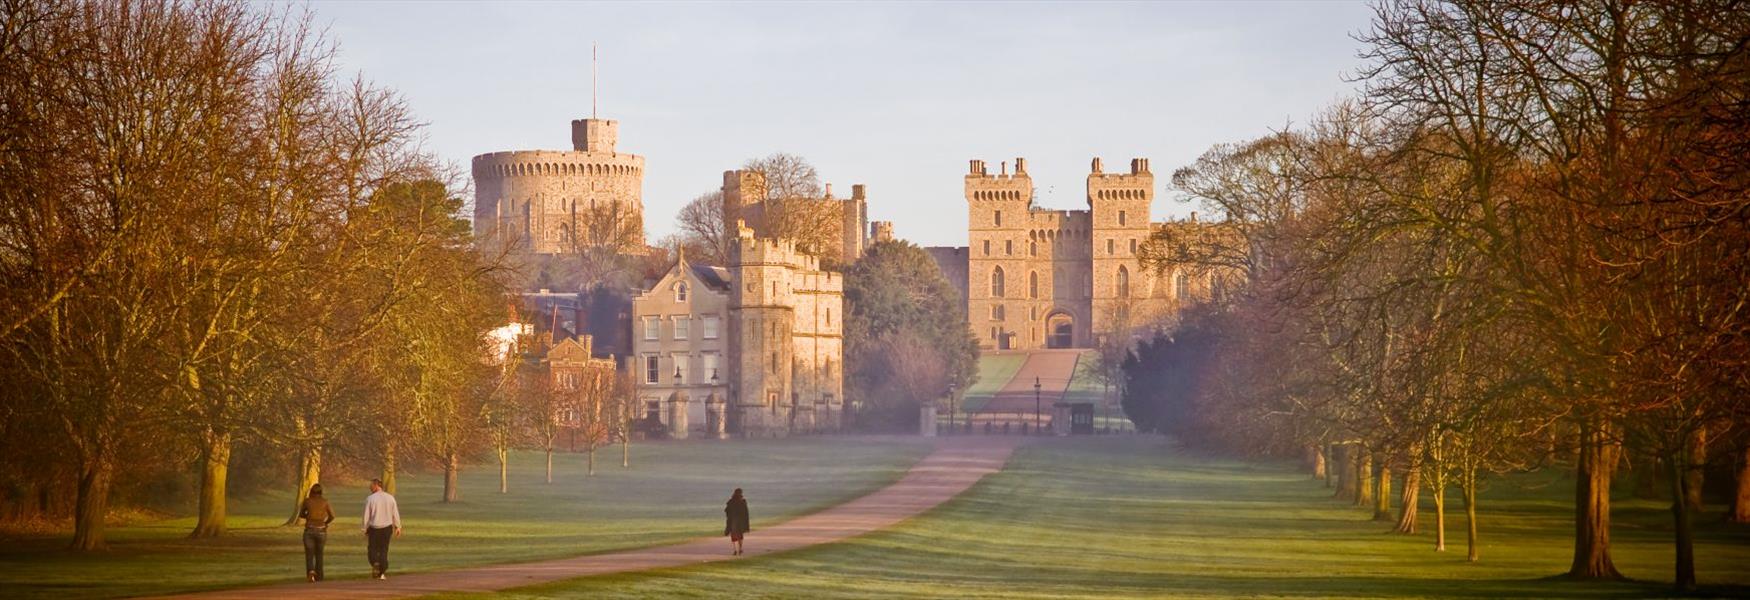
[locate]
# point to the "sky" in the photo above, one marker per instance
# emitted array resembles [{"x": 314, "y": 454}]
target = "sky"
[{"x": 897, "y": 96}]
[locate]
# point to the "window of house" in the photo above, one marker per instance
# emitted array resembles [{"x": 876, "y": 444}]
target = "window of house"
[
  {"x": 652, "y": 328},
  {"x": 568, "y": 381},
  {"x": 711, "y": 324},
  {"x": 996, "y": 283},
  {"x": 680, "y": 292},
  {"x": 710, "y": 368},
  {"x": 682, "y": 327},
  {"x": 652, "y": 369}
]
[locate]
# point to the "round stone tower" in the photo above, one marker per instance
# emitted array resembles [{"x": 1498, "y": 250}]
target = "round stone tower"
[{"x": 552, "y": 201}]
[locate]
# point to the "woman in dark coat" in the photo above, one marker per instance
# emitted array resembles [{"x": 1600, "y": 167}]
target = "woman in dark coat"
[{"x": 735, "y": 519}]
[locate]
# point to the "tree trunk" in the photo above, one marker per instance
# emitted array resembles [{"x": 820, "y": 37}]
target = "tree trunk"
[
  {"x": 1469, "y": 488},
  {"x": 549, "y": 462},
  {"x": 1694, "y": 471},
  {"x": 1683, "y": 514},
  {"x": 503, "y": 470},
  {"x": 1318, "y": 463},
  {"x": 1592, "y": 505},
  {"x": 591, "y": 453},
  {"x": 389, "y": 469},
  {"x": 309, "y": 471},
  {"x": 452, "y": 467},
  {"x": 1382, "y": 496},
  {"x": 215, "y": 466},
  {"x": 92, "y": 505},
  {"x": 1363, "y": 477},
  {"x": 1407, "y": 505},
  {"x": 1741, "y": 500},
  {"x": 1439, "y": 517},
  {"x": 1340, "y": 471},
  {"x": 626, "y": 450}
]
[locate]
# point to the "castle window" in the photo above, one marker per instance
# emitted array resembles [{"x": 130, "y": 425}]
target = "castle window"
[
  {"x": 1032, "y": 248},
  {"x": 996, "y": 312},
  {"x": 999, "y": 218},
  {"x": 1181, "y": 286},
  {"x": 1121, "y": 217},
  {"x": 1009, "y": 247},
  {"x": 1110, "y": 247},
  {"x": 1033, "y": 315},
  {"x": 711, "y": 324},
  {"x": 1123, "y": 282},
  {"x": 680, "y": 292},
  {"x": 681, "y": 327},
  {"x": 774, "y": 362},
  {"x": 996, "y": 283},
  {"x": 987, "y": 247},
  {"x": 652, "y": 368},
  {"x": 1033, "y": 285},
  {"x": 1133, "y": 246}
]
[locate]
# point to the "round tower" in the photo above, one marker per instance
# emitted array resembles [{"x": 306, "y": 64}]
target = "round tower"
[{"x": 548, "y": 201}]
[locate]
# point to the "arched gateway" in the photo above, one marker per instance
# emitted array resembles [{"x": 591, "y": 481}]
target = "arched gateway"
[{"x": 1059, "y": 330}]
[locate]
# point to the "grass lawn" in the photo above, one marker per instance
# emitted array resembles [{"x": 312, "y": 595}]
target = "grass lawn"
[
  {"x": 674, "y": 491},
  {"x": 994, "y": 372},
  {"x": 1085, "y": 386},
  {"x": 1127, "y": 517}
]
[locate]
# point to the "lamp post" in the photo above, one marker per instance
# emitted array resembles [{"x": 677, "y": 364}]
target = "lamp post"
[
  {"x": 951, "y": 412},
  {"x": 1036, "y": 387}
]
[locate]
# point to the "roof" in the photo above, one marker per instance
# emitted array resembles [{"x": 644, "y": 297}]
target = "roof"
[{"x": 714, "y": 277}]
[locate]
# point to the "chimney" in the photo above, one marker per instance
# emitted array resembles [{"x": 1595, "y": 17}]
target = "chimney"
[
  {"x": 1005, "y": 172},
  {"x": 1193, "y": 216},
  {"x": 1020, "y": 166},
  {"x": 1096, "y": 165},
  {"x": 857, "y": 191},
  {"x": 829, "y": 190}
]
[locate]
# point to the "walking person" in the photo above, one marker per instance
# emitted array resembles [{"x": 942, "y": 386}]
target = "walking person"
[
  {"x": 317, "y": 514},
  {"x": 382, "y": 520},
  {"x": 735, "y": 520}
]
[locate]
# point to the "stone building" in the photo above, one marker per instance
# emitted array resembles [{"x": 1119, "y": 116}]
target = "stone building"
[
  {"x": 839, "y": 225},
  {"x": 571, "y": 366},
  {"x": 544, "y": 201},
  {"x": 756, "y": 349},
  {"x": 680, "y": 341},
  {"x": 1041, "y": 278}
]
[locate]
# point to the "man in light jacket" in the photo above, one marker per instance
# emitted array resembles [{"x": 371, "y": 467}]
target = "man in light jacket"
[{"x": 382, "y": 520}]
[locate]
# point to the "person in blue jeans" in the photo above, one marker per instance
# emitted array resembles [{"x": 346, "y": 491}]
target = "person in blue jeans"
[{"x": 317, "y": 514}]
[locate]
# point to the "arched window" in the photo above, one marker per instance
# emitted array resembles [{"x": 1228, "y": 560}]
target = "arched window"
[
  {"x": 680, "y": 292},
  {"x": 1181, "y": 286},
  {"x": 1032, "y": 248},
  {"x": 996, "y": 283},
  {"x": 1123, "y": 282},
  {"x": 1033, "y": 285}
]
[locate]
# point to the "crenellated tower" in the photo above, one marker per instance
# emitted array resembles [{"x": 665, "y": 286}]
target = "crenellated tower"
[{"x": 1119, "y": 204}]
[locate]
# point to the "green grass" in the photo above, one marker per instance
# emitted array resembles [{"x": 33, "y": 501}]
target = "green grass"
[
  {"x": 1128, "y": 517},
  {"x": 674, "y": 491},
  {"x": 994, "y": 372}
]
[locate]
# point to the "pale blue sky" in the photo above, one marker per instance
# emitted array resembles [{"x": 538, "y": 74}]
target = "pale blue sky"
[{"x": 894, "y": 95}]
